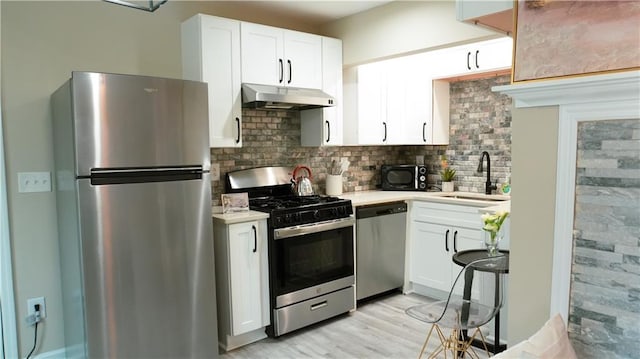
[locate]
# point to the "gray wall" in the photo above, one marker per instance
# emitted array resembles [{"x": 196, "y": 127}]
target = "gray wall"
[
  {"x": 402, "y": 27},
  {"x": 533, "y": 167},
  {"x": 42, "y": 42}
]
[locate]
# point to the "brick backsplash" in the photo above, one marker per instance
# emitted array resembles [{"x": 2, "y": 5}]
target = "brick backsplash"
[{"x": 479, "y": 121}]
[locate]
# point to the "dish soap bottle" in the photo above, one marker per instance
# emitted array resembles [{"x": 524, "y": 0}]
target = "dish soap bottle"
[{"x": 506, "y": 187}]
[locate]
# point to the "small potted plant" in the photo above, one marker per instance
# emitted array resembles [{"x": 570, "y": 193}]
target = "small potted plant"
[{"x": 447, "y": 174}]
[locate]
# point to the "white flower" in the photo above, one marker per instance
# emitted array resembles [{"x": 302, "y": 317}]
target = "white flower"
[{"x": 493, "y": 222}]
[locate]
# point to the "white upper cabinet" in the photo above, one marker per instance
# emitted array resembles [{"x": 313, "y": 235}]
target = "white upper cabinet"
[
  {"x": 371, "y": 118},
  {"x": 419, "y": 120},
  {"x": 279, "y": 57},
  {"x": 211, "y": 53},
  {"x": 474, "y": 58},
  {"x": 394, "y": 103},
  {"x": 323, "y": 126}
]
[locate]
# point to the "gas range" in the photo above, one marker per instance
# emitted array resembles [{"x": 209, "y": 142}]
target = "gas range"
[
  {"x": 287, "y": 211},
  {"x": 311, "y": 249}
]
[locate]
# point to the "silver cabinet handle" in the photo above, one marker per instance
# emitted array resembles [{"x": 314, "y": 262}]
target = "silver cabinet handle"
[{"x": 319, "y": 305}]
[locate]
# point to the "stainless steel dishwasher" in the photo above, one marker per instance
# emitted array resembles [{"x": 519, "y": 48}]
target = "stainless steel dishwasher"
[{"x": 380, "y": 246}]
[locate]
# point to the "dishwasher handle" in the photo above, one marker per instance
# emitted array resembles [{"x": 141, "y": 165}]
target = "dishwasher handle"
[{"x": 383, "y": 209}]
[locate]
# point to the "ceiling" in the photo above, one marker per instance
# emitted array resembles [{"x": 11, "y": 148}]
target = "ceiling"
[
  {"x": 311, "y": 12},
  {"x": 319, "y": 12}
]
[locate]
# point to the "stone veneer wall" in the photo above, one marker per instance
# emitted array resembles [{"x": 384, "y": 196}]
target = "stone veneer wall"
[
  {"x": 480, "y": 120},
  {"x": 604, "y": 309}
]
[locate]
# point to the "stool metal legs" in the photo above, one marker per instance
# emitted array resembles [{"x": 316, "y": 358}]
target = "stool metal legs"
[{"x": 455, "y": 343}]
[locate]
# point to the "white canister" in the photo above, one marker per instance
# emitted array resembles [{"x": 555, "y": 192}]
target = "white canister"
[{"x": 334, "y": 185}]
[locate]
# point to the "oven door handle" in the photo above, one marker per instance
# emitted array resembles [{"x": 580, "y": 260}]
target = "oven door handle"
[{"x": 287, "y": 232}]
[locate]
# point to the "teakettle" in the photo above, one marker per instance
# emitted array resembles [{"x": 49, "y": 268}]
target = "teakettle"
[{"x": 302, "y": 183}]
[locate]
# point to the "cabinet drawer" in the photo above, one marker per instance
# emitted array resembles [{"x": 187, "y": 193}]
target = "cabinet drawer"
[
  {"x": 318, "y": 308},
  {"x": 446, "y": 214}
]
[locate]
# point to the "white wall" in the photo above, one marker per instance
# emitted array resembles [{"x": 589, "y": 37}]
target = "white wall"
[{"x": 402, "y": 27}]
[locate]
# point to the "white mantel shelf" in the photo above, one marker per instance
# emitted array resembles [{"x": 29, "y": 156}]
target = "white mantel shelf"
[{"x": 575, "y": 90}]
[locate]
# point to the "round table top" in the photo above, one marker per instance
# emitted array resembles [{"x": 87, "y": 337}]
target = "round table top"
[{"x": 501, "y": 264}]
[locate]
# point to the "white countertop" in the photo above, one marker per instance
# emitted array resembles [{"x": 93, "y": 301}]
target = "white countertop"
[
  {"x": 485, "y": 203},
  {"x": 236, "y": 217}
]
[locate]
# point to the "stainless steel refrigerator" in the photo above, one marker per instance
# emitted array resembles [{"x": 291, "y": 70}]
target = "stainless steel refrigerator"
[{"x": 133, "y": 196}]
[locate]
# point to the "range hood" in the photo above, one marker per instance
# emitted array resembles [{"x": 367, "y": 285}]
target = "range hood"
[{"x": 284, "y": 98}]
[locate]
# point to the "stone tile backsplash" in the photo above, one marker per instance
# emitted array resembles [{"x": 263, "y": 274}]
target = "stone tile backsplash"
[
  {"x": 479, "y": 121},
  {"x": 604, "y": 308}
]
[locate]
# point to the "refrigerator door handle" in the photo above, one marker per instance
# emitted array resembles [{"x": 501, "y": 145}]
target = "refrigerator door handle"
[{"x": 142, "y": 175}]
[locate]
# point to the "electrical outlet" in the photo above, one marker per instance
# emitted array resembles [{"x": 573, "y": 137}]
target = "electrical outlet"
[
  {"x": 215, "y": 172},
  {"x": 31, "y": 306}
]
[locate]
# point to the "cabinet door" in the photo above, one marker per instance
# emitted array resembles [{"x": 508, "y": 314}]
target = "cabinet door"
[
  {"x": 418, "y": 119},
  {"x": 245, "y": 272},
  {"x": 323, "y": 126},
  {"x": 332, "y": 84},
  {"x": 372, "y": 126},
  {"x": 474, "y": 58},
  {"x": 211, "y": 53},
  {"x": 303, "y": 59},
  {"x": 463, "y": 239},
  {"x": 262, "y": 54},
  {"x": 395, "y": 89},
  {"x": 431, "y": 255},
  {"x": 494, "y": 54}
]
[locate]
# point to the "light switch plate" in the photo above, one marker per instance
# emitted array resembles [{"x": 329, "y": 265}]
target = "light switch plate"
[
  {"x": 215, "y": 172},
  {"x": 34, "y": 182}
]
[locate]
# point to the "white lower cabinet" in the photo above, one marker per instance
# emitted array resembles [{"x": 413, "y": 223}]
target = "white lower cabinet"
[
  {"x": 242, "y": 282},
  {"x": 437, "y": 232}
]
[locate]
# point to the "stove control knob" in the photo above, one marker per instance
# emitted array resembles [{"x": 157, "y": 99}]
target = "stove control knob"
[
  {"x": 316, "y": 214},
  {"x": 342, "y": 210}
]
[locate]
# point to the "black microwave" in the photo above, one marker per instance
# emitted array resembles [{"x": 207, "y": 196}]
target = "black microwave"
[{"x": 404, "y": 178}]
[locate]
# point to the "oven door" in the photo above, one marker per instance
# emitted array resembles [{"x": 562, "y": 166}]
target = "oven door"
[{"x": 311, "y": 260}]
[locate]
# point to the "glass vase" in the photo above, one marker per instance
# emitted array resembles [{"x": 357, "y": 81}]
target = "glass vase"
[{"x": 492, "y": 241}]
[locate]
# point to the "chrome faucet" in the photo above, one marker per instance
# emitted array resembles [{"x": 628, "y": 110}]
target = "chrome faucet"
[{"x": 488, "y": 187}]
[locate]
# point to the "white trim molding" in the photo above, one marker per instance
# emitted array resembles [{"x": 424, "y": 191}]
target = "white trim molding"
[
  {"x": 570, "y": 117},
  {"x": 53, "y": 354},
  {"x": 592, "y": 98},
  {"x": 617, "y": 86},
  {"x": 8, "y": 331}
]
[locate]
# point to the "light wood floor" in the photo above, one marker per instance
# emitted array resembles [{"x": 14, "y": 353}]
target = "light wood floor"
[{"x": 377, "y": 329}]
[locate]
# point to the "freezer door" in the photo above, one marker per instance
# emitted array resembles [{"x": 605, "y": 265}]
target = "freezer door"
[
  {"x": 148, "y": 270},
  {"x": 123, "y": 121}
]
